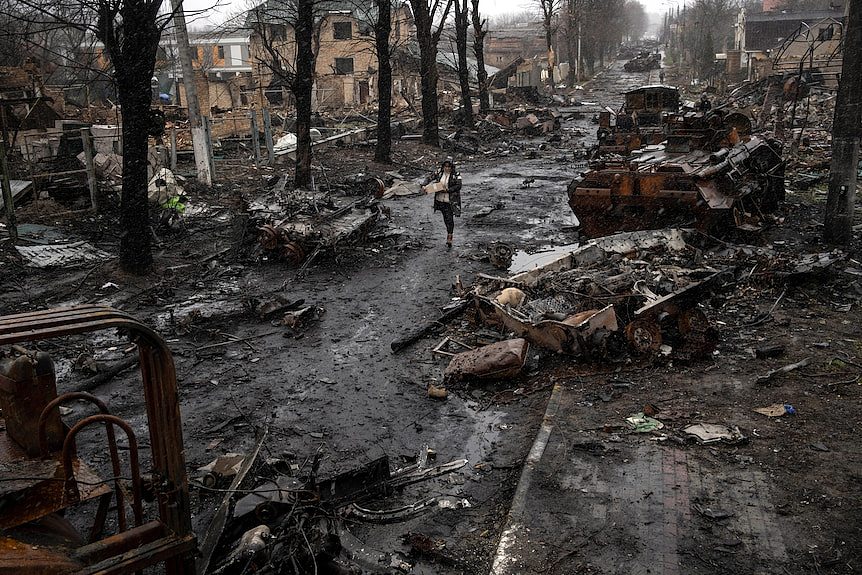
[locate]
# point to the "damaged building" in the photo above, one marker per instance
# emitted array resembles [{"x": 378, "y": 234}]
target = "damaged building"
[{"x": 346, "y": 61}]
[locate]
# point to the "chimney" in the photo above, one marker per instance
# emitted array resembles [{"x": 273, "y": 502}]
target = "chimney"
[{"x": 772, "y": 5}]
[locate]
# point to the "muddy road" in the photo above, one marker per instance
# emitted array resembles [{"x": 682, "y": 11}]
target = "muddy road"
[{"x": 334, "y": 387}]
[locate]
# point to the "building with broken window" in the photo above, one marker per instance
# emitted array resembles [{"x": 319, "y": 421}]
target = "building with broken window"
[
  {"x": 223, "y": 69},
  {"x": 346, "y": 65},
  {"x": 775, "y": 41}
]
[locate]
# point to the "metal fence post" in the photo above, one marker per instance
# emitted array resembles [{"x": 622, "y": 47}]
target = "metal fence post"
[
  {"x": 91, "y": 168},
  {"x": 173, "y": 148},
  {"x": 267, "y": 132},
  {"x": 207, "y": 129},
  {"x": 255, "y": 139}
]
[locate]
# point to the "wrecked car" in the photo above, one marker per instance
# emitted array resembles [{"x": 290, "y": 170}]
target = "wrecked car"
[{"x": 314, "y": 222}]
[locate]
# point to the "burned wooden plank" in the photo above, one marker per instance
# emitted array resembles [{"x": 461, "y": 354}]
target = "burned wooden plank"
[{"x": 426, "y": 328}]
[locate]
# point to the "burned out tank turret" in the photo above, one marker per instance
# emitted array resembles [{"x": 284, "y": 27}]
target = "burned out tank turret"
[{"x": 680, "y": 184}]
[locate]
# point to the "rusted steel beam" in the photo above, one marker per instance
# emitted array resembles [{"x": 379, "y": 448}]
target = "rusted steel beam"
[
  {"x": 163, "y": 550},
  {"x": 120, "y": 543}
]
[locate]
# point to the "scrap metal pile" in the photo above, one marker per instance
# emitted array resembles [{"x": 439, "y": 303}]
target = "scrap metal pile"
[
  {"x": 295, "y": 226},
  {"x": 644, "y": 62},
  {"x": 708, "y": 171},
  {"x": 293, "y": 521},
  {"x": 628, "y": 293},
  {"x": 618, "y": 298}
]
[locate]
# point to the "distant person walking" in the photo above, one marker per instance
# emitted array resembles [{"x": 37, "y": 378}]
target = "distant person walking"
[
  {"x": 705, "y": 104},
  {"x": 446, "y": 187},
  {"x": 661, "y": 77}
]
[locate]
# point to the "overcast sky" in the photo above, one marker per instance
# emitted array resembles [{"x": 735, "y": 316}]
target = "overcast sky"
[{"x": 491, "y": 7}]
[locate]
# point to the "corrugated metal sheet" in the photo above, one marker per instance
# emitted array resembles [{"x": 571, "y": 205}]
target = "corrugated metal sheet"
[
  {"x": 20, "y": 189},
  {"x": 67, "y": 255}
]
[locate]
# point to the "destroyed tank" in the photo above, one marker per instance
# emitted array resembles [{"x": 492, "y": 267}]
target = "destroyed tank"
[
  {"x": 711, "y": 180},
  {"x": 641, "y": 121},
  {"x": 644, "y": 62}
]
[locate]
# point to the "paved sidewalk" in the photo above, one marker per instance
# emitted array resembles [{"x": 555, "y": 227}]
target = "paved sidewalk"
[{"x": 593, "y": 500}]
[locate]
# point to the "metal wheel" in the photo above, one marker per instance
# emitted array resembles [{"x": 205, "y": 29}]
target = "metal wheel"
[
  {"x": 293, "y": 253},
  {"x": 643, "y": 336},
  {"x": 267, "y": 235},
  {"x": 692, "y": 320}
]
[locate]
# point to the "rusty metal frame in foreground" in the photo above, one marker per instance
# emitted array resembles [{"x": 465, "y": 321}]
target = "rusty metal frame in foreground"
[{"x": 169, "y": 539}]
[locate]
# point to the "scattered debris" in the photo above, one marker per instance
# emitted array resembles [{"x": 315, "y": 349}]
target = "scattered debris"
[
  {"x": 221, "y": 469},
  {"x": 776, "y": 410},
  {"x": 451, "y": 311},
  {"x": 66, "y": 255},
  {"x": 500, "y": 360},
  {"x": 641, "y": 423},
  {"x": 714, "y": 514},
  {"x": 713, "y": 433},
  {"x": 769, "y": 351},
  {"x": 786, "y": 369}
]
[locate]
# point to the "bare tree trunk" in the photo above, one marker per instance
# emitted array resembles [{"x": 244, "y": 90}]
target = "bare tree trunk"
[
  {"x": 303, "y": 82},
  {"x": 838, "y": 223},
  {"x": 382, "y": 28},
  {"x": 461, "y": 22},
  {"x": 200, "y": 141},
  {"x": 134, "y": 56},
  {"x": 423, "y": 16},
  {"x": 571, "y": 42},
  {"x": 135, "y": 254},
  {"x": 479, "y": 32},
  {"x": 428, "y": 72},
  {"x": 549, "y": 8}
]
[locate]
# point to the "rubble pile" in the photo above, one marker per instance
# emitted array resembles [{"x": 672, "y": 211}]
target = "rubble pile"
[
  {"x": 294, "y": 518},
  {"x": 620, "y": 297},
  {"x": 798, "y": 113},
  {"x": 584, "y": 302},
  {"x": 297, "y": 225}
]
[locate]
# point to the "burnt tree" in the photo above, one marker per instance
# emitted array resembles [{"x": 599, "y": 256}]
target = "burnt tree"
[
  {"x": 302, "y": 84},
  {"x": 424, "y": 14},
  {"x": 382, "y": 29},
  {"x": 461, "y": 23},
  {"x": 292, "y": 64},
  {"x": 480, "y": 29},
  {"x": 130, "y": 33},
  {"x": 846, "y": 133},
  {"x": 549, "y": 10}
]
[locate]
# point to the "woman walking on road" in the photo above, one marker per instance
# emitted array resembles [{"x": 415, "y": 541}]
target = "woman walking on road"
[{"x": 446, "y": 187}]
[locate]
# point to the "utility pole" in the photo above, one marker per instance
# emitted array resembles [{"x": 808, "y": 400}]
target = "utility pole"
[
  {"x": 199, "y": 138},
  {"x": 578, "y": 61},
  {"x": 846, "y": 132}
]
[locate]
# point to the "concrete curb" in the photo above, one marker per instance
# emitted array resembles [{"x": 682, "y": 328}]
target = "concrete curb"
[{"x": 504, "y": 559}]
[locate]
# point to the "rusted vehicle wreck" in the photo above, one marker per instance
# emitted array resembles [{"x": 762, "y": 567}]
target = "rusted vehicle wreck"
[
  {"x": 608, "y": 298},
  {"x": 688, "y": 181},
  {"x": 47, "y": 486},
  {"x": 642, "y": 120}
]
